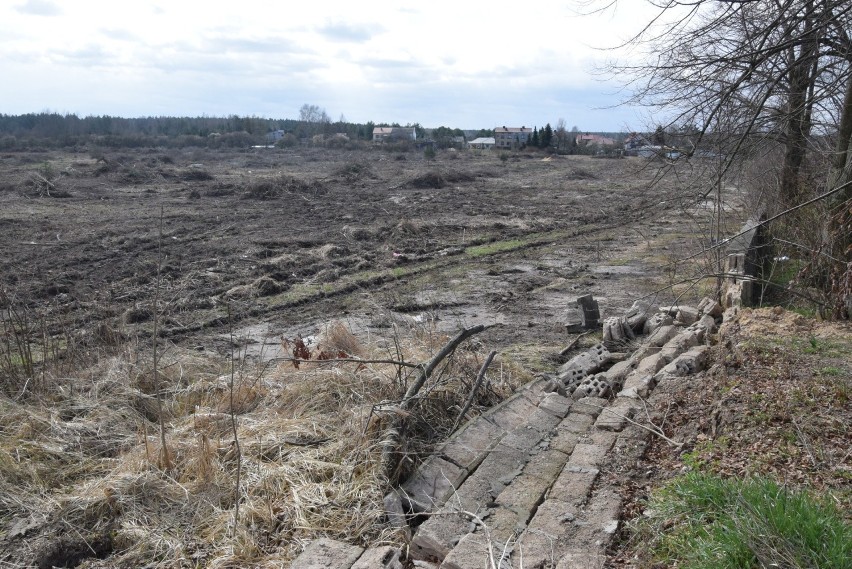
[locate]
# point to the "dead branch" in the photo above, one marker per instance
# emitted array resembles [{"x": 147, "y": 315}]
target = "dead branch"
[
  {"x": 480, "y": 376},
  {"x": 391, "y": 439}
]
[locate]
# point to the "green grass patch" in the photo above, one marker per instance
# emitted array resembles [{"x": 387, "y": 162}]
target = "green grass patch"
[
  {"x": 495, "y": 247},
  {"x": 701, "y": 521}
]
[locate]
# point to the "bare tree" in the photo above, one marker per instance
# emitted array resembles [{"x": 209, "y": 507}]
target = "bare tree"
[{"x": 759, "y": 76}]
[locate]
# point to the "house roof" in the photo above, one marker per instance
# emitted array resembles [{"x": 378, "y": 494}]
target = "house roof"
[
  {"x": 485, "y": 140},
  {"x": 512, "y": 129}
]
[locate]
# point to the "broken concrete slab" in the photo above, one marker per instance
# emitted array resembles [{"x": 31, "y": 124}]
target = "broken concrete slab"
[
  {"x": 589, "y": 406},
  {"x": 556, "y": 405},
  {"x": 615, "y": 416},
  {"x": 327, "y": 553},
  {"x": 433, "y": 483},
  {"x": 386, "y": 557},
  {"x": 573, "y": 484},
  {"x": 469, "y": 446}
]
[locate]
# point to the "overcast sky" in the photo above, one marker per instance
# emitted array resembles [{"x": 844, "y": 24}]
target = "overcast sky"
[{"x": 463, "y": 63}]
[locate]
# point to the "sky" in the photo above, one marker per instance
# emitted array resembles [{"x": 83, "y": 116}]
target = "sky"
[{"x": 466, "y": 64}]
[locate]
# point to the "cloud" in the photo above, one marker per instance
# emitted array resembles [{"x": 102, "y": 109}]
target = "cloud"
[
  {"x": 39, "y": 8},
  {"x": 343, "y": 32},
  {"x": 120, "y": 34}
]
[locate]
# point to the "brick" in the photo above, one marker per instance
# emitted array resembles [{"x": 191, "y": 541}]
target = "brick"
[
  {"x": 433, "y": 483},
  {"x": 573, "y": 485},
  {"x": 327, "y": 553},
  {"x": 469, "y": 447},
  {"x": 386, "y": 557},
  {"x": 556, "y": 405}
]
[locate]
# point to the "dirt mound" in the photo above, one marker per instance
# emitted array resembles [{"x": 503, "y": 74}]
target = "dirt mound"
[{"x": 272, "y": 188}]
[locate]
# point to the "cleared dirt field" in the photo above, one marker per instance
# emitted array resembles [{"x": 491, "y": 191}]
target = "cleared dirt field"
[{"x": 292, "y": 239}]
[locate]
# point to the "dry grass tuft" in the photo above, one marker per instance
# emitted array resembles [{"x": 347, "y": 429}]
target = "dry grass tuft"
[{"x": 311, "y": 444}]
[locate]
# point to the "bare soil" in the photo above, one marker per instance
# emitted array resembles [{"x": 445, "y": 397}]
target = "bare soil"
[{"x": 289, "y": 239}]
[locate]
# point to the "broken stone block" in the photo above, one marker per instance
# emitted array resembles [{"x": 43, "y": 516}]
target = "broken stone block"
[
  {"x": 589, "y": 310},
  {"x": 638, "y": 314},
  {"x": 710, "y": 307},
  {"x": 616, "y": 332},
  {"x": 637, "y": 385},
  {"x": 687, "y": 315},
  {"x": 690, "y": 362},
  {"x": 656, "y": 321},
  {"x": 385, "y": 557},
  {"x": 433, "y": 483},
  {"x": 662, "y": 335},
  {"x": 616, "y": 374},
  {"x": 327, "y": 553}
]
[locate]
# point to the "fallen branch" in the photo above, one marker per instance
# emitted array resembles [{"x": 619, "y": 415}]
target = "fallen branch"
[
  {"x": 392, "y": 434},
  {"x": 476, "y": 384},
  {"x": 573, "y": 343}
]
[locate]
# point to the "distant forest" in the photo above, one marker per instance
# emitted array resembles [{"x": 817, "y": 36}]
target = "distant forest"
[{"x": 54, "y": 130}]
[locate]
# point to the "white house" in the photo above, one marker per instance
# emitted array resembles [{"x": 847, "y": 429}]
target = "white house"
[
  {"x": 392, "y": 133},
  {"x": 483, "y": 143},
  {"x": 511, "y": 137}
]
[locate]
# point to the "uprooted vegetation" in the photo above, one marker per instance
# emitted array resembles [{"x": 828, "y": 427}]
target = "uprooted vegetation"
[
  {"x": 272, "y": 188},
  {"x": 85, "y": 452}
]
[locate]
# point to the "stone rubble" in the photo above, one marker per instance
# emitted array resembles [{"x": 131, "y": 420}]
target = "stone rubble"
[{"x": 521, "y": 480}]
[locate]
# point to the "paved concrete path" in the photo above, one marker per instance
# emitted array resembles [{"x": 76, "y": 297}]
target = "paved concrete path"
[{"x": 519, "y": 486}]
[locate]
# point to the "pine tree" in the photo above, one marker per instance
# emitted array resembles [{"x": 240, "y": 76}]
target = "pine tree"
[
  {"x": 547, "y": 136},
  {"x": 534, "y": 140}
]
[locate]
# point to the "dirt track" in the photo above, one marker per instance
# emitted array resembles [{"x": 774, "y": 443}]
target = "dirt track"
[{"x": 294, "y": 239}]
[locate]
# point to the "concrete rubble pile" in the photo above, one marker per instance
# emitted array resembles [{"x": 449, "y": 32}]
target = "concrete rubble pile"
[{"x": 519, "y": 484}]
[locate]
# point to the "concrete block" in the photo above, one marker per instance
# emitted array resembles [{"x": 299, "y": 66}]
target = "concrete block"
[
  {"x": 524, "y": 438},
  {"x": 661, "y": 335},
  {"x": 327, "y": 553},
  {"x": 395, "y": 513},
  {"x": 619, "y": 371},
  {"x": 437, "y": 536},
  {"x": 573, "y": 485},
  {"x": 576, "y": 422},
  {"x": 582, "y": 559},
  {"x": 588, "y": 454},
  {"x": 556, "y": 405},
  {"x": 543, "y": 421},
  {"x": 386, "y": 557},
  {"x": 497, "y": 471},
  {"x": 589, "y": 406},
  {"x": 650, "y": 365},
  {"x": 564, "y": 440},
  {"x": 710, "y": 307},
  {"x": 472, "y": 551},
  {"x": 687, "y": 315},
  {"x": 468, "y": 447},
  {"x": 546, "y": 465},
  {"x": 656, "y": 321},
  {"x": 614, "y": 417},
  {"x": 688, "y": 363},
  {"x": 637, "y": 385},
  {"x": 433, "y": 483},
  {"x": 598, "y": 521},
  {"x": 545, "y": 539}
]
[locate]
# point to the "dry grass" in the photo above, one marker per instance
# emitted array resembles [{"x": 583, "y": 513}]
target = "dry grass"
[{"x": 85, "y": 456}]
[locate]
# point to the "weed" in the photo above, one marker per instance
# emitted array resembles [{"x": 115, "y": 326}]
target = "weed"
[{"x": 703, "y": 521}]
